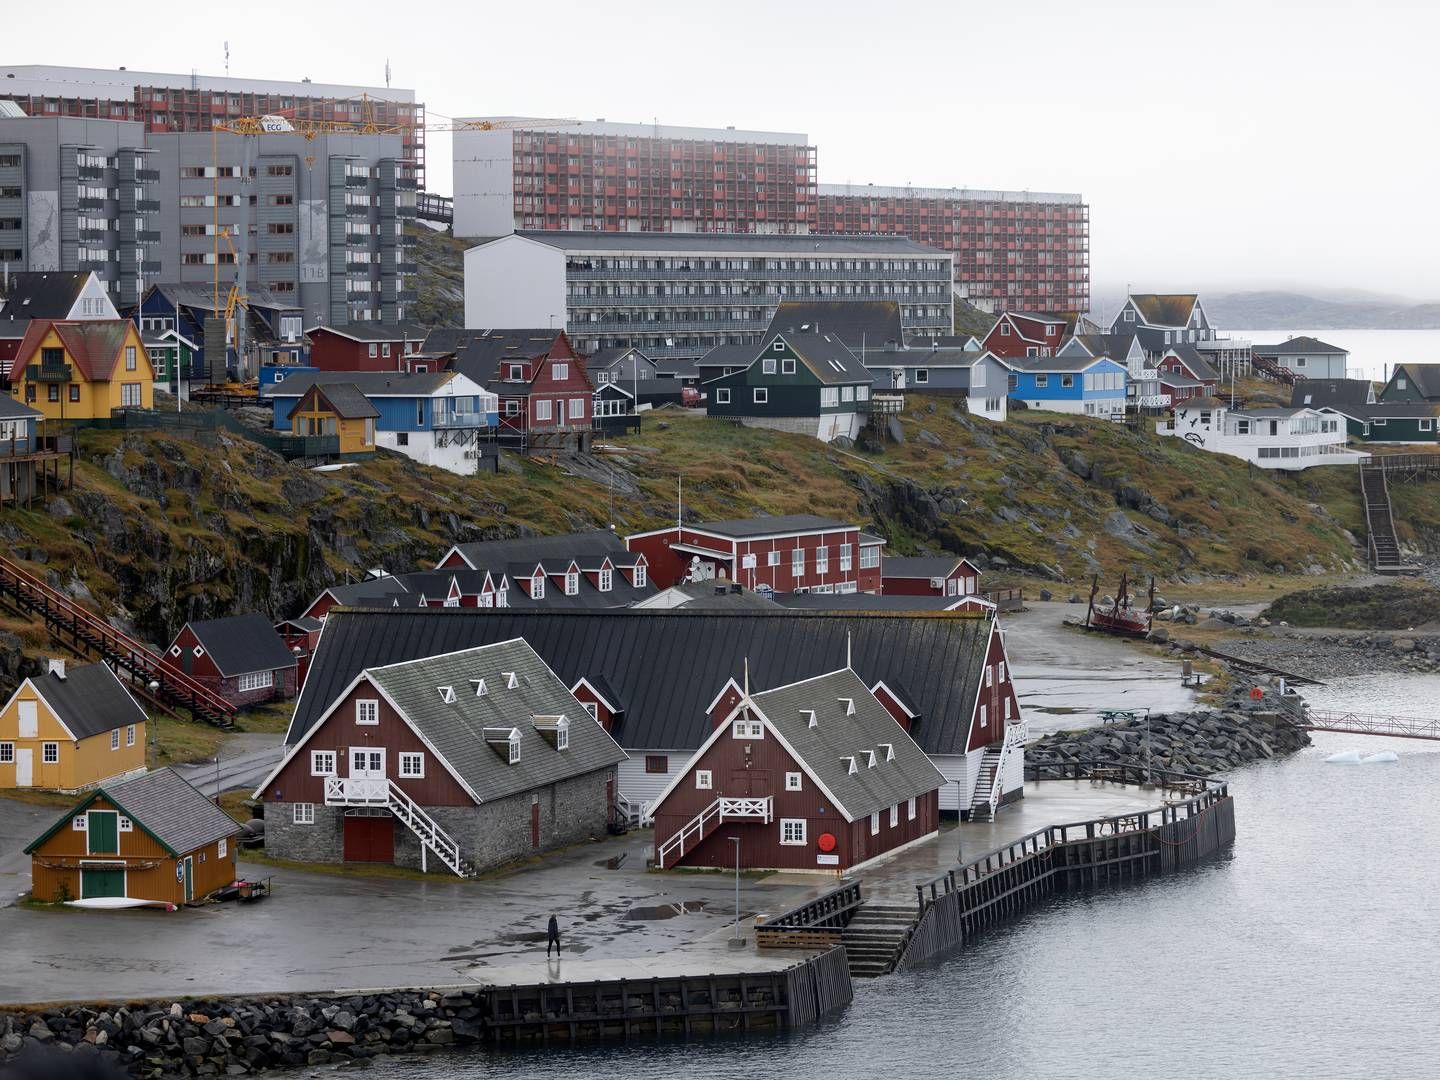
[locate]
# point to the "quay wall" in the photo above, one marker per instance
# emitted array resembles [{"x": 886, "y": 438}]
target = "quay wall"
[{"x": 157, "y": 1040}]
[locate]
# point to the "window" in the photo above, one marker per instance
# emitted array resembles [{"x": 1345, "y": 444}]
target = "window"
[
  {"x": 989, "y": 675},
  {"x": 748, "y": 729},
  {"x": 869, "y": 557},
  {"x": 772, "y": 558},
  {"x": 1042, "y": 382},
  {"x": 779, "y": 346},
  {"x": 787, "y": 367},
  {"x": 561, "y": 372},
  {"x": 542, "y": 409},
  {"x": 1067, "y": 381},
  {"x": 1000, "y": 671},
  {"x": 702, "y": 779},
  {"x": 657, "y": 764},
  {"x": 1400, "y": 382},
  {"x": 607, "y": 579},
  {"x": 412, "y": 766},
  {"x": 572, "y": 583},
  {"x": 910, "y": 809},
  {"x": 577, "y": 408},
  {"x": 767, "y": 366},
  {"x": 822, "y": 560},
  {"x": 894, "y": 815},
  {"x": 793, "y": 781},
  {"x": 304, "y": 813},
  {"x": 54, "y": 391},
  {"x": 722, "y": 396},
  {"x": 922, "y": 375},
  {"x": 797, "y": 562},
  {"x": 1129, "y": 315},
  {"x": 374, "y": 350},
  {"x": 591, "y": 708},
  {"x": 50, "y": 753},
  {"x": 220, "y": 848},
  {"x": 129, "y": 357},
  {"x": 115, "y": 739},
  {"x": 640, "y": 578},
  {"x": 792, "y": 831},
  {"x": 1427, "y": 425},
  {"x": 537, "y": 588},
  {"x": 322, "y": 762},
  {"x": 367, "y": 711},
  {"x": 829, "y": 397},
  {"x": 7, "y": 753},
  {"x": 130, "y": 394},
  {"x": 1004, "y": 329},
  {"x": 256, "y": 680},
  {"x": 130, "y": 735},
  {"x": 844, "y": 557},
  {"x": 762, "y": 396},
  {"x": 74, "y": 392},
  {"x": 875, "y": 823},
  {"x": 124, "y": 824}
]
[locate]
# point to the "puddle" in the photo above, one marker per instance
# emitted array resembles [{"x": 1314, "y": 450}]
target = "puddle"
[
  {"x": 664, "y": 911},
  {"x": 614, "y": 862}
]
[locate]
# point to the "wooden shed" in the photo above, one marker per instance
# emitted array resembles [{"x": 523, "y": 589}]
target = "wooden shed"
[{"x": 151, "y": 838}]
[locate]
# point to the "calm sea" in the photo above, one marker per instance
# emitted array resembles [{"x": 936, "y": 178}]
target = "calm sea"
[
  {"x": 1311, "y": 950},
  {"x": 1373, "y": 353}
]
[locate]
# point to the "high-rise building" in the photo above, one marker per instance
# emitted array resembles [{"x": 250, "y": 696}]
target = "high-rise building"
[
  {"x": 322, "y": 219},
  {"x": 1025, "y": 250},
  {"x": 166, "y": 102},
  {"x": 79, "y": 195},
  {"x": 605, "y": 177}
]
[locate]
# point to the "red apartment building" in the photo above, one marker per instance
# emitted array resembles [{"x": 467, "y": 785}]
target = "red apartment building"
[
  {"x": 792, "y": 553},
  {"x": 362, "y": 346},
  {"x": 1013, "y": 250},
  {"x": 1017, "y": 334},
  {"x": 191, "y": 102}
]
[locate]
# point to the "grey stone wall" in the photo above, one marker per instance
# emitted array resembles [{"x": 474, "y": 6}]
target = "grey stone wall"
[{"x": 322, "y": 842}]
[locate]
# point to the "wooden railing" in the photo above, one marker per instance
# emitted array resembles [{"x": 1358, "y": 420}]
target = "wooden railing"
[{"x": 815, "y": 924}]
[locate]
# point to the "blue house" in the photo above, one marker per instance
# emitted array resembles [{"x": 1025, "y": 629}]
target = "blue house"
[
  {"x": 1088, "y": 385},
  {"x": 273, "y": 331},
  {"x": 441, "y": 418}
]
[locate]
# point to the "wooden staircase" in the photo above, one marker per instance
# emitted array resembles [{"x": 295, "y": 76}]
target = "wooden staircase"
[
  {"x": 873, "y": 937},
  {"x": 1385, "y": 555},
  {"x": 690, "y": 835},
  {"x": 383, "y": 794},
  {"x": 85, "y": 633},
  {"x": 982, "y": 806},
  {"x": 1269, "y": 370}
]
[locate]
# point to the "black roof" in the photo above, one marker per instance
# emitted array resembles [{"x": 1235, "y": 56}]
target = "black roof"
[
  {"x": 240, "y": 644},
  {"x": 1300, "y": 346},
  {"x": 11, "y": 328},
  {"x": 727, "y": 356},
  {"x": 859, "y": 601},
  {"x": 1201, "y": 368},
  {"x": 1115, "y": 346},
  {"x": 677, "y": 367},
  {"x": 89, "y": 699},
  {"x": 42, "y": 294},
  {"x": 596, "y": 543},
  {"x": 1424, "y": 377},
  {"x": 202, "y": 297},
  {"x": 347, "y": 401},
  {"x": 826, "y": 356},
  {"x": 445, "y": 339},
  {"x": 857, "y": 323},
  {"x": 165, "y": 805},
  {"x": 1338, "y": 393},
  {"x": 918, "y": 566},
  {"x": 742, "y": 528},
  {"x": 713, "y": 595},
  {"x": 667, "y": 666},
  {"x": 374, "y": 331},
  {"x": 369, "y": 383}
]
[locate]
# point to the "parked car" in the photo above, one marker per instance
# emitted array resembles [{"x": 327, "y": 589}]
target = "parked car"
[{"x": 691, "y": 398}]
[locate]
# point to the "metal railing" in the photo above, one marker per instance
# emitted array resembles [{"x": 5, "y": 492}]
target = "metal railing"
[{"x": 1353, "y": 723}]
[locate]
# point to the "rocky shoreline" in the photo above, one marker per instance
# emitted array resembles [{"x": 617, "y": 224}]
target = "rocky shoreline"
[
  {"x": 1239, "y": 731},
  {"x": 1326, "y": 656},
  {"x": 234, "y": 1037}
]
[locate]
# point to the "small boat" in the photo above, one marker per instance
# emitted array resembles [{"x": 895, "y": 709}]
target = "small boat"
[
  {"x": 117, "y": 903},
  {"x": 1120, "y": 616}
]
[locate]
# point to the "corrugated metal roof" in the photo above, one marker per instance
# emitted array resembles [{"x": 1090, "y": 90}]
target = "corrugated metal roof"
[{"x": 666, "y": 666}]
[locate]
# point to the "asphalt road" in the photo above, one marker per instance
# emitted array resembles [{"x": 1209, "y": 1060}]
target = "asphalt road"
[{"x": 245, "y": 761}]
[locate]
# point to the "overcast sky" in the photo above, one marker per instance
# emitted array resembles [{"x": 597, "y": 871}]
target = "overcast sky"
[{"x": 1220, "y": 144}]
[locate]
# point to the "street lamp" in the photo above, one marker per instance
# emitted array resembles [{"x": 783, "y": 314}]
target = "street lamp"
[
  {"x": 737, "y": 942},
  {"x": 153, "y": 723}
]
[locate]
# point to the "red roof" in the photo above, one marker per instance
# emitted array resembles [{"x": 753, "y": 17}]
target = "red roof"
[{"x": 93, "y": 345}]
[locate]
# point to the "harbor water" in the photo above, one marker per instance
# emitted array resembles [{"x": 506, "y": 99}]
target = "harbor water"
[{"x": 1311, "y": 950}]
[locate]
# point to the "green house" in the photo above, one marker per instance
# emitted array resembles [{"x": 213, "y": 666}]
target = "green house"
[
  {"x": 1413, "y": 382},
  {"x": 803, "y": 382},
  {"x": 1392, "y": 422},
  {"x": 171, "y": 355}
]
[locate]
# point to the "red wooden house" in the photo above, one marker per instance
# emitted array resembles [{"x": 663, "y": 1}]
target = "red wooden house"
[
  {"x": 241, "y": 657},
  {"x": 1019, "y": 334},
  {"x": 364, "y": 346},
  {"x": 1185, "y": 374},
  {"x": 816, "y": 775},
  {"x": 938, "y": 575},
  {"x": 791, "y": 553},
  {"x": 539, "y": 378}
]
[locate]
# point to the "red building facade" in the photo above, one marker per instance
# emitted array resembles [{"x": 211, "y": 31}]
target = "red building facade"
[
  {"x": 358, "y": 347},
  {"x": 1013, "y": 250},
  {"x": 1021, "y": 334},
  {"x": 242, "y": 658},
  {"x": 929, "y": 576},
  {"x": 799, "y": 552}
]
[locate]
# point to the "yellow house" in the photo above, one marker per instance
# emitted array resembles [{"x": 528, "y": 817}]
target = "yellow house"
[
  {"x": 81, "y": 370},
  {"x": 70, "y": 729},
  {"x": 337, "y": 409}
]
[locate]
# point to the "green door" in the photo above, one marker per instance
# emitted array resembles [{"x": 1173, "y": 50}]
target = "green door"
[
  {"x": 101, "y": 881},
  {"x": 103, "y": 832}
]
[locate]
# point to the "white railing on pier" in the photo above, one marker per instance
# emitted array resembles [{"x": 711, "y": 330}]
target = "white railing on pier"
[
  {"x": 760, "y": 809},
  {"x": 382, "y": 792},
  {"x": 1017, "y": 734},
  {"x": 1405, "y": 727}
]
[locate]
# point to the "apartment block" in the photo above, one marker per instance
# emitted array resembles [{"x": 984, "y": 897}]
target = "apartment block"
[
  {"x": 1014, "y": 250},
  {"x": 594, "y": 175},
  {"x": 79, "y": 195},
  {"x": 319, "y": 221},
  {"x": 681, "y": 294},
  {"x": 165, "y": 102}
]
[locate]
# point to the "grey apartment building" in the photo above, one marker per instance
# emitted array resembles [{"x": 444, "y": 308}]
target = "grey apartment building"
[
  {"x": 80, "y": 195},
  {"x": 323, "y": 219},
  {"x": 681, "y": 294}
]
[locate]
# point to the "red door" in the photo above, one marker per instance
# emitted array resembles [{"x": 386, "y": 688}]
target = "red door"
[
  {"x": 370, "y": 839},
  {"x": 535, "y": 824}
]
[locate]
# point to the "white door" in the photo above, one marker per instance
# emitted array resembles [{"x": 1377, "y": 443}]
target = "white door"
[
  {"x": 24, "y": 768},
  {"x": 367, "y": 763},
  {"x": 29, "y": 724}
]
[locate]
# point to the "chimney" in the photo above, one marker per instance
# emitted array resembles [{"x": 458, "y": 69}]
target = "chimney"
[{"x": 56, "y": 668}]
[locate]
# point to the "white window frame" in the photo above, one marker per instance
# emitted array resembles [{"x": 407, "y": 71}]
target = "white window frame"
[
  {"x": 640, "y": 575},
  {"x": 797, "y": 562},
  {"x": 787, "y": 366},
  {"x": 577, "y": 408},
  {"x": 747, "y": 729},
  {"x": 910, "y": 809},
  {"x": 124, "y": 824},
  {"x": 255, "y": 680},
  {"x": 50, "y": 753},
  {"x": 772, "y": 558},
  {"x": 560, "y": 371},
  {"x": 822, "y": 559},
  {"x": 767, "y": 366},
  {"x": 794, "y": 781},
  {"x": 221, "y": 850},
  {"x": 303, "y": 813},
  {"x": 537, "y": 587},
  {"x": 318, "y": 759},
  {"x": 607, "y": 579},
  {"x": 129, "y": 734},
  {"x": 412, "y": 758},
  {"x": 894, "y": 815},
  {"x": 792, "y": 832},
  {"x": 367, "y": 712},
  {"x": 704, "y": 779},
  {"x": 592, "y": 708},
  {"x": 722, "y": 395},
  {"x": 572, "y": 583},
  {"x": 115, "y": 738},
  {"x": 761, "y": 396},
  {"x": 542, "y": 408},
  {"x": 844, "y": 557},
  {"x": 875, "y": 823}
]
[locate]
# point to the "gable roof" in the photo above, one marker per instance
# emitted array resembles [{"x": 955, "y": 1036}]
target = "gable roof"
[
  {"x": 727, "y": 356},
  {"x": 14, "y": 409},
  {"x": 42, "y": 294},
  {"x": 920, "y": 566},
  {"x": 608, "y": 358},
  {"x": 677, "y": 367},
  {"x": 480, "y": 355},
  {"x": 1114, "y": 346},
  {"x": 1165, "y": 309},
  {"x": 586, "y": 547},
  {"x": 345, "y": 400},
  {"x": 837, "y": 736},
  {"x": 240, "y": 644},
  {"x": 1424, "y": 377},
  {"x": 377, "y": 332},
  {"x": 93, "y": 345},
  {"x": 1061, "y": 364},
  {"x": 369, "y": 383},
  {"x": 666, "y": 666},
  {"x": 1201, "y": 368},
  {"x": 456, "y": 729},
  {"x": 89, "y": 700},
  {"x": 1300, "y": 346},
  {"x": 867, "y": 324},
  {"x": 778, "y": 525},
  {"x": 826, "y": 356},
  {"x": 163, "y": 804},
  {"x": 1335, "y": 393}
]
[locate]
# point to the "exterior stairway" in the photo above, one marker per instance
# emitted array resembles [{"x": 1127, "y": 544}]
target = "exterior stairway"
[
  {"x": 689, "y": 836},
  {"x": 1379, "y": 521},
  {"x": 873, "y": 937},
  {"x": 981, "y": 807},
  {"x": 383, "y": 793}
]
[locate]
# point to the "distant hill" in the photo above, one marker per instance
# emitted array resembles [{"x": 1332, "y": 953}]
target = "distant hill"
[{"x": 1286, "y": 310}]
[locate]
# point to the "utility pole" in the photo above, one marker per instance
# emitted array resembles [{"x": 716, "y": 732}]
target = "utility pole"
[{"x": 737, "y": 941}]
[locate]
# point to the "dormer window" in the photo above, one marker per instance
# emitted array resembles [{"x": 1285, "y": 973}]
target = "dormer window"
[
  {"x": 869, "y": 759},
  {"x": 809, "y": 715},
  {"x": 889, "y": 749},
  {"x": 553, "y": 729},
  {"x": 607, "y": 579},
  {"x": 512, "y": 680},
  {"x": 850, "y": 767},
  {"x": 447, "y": 694},
  {"x": 537, "y": 587},
  {"x": 516, "y": 373},
  {"x": 505, "y": 742},
  {"x": 479, "y": 685},
  {"x": 572, "y": 583},
  {"x": 849, "y": 704},
  {"x": 640, "y": 575}
]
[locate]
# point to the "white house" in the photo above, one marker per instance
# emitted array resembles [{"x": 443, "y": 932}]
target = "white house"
[{"x": 1289, "y": 439}]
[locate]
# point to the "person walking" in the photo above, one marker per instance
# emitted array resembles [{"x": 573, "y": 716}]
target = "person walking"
[{"x": 552, "y": 934}]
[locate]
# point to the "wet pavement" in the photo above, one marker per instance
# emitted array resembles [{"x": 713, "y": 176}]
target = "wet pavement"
[
  {"x": 245, "y": 760},
  {"x": 1065, "y": 677}
]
